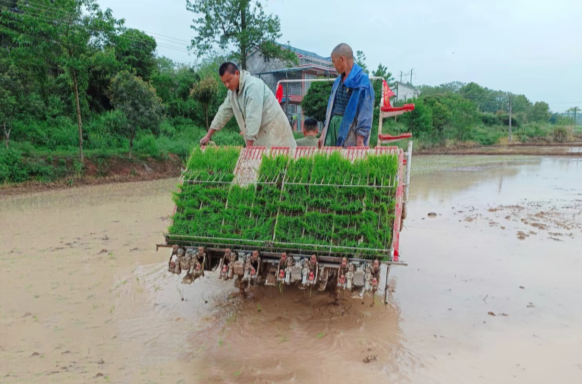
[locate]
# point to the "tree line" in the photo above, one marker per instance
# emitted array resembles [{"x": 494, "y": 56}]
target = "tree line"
[
  {"x": 456, "y": 110},
  {"x": 69, "y": 63},
  {"x": 74, "y": 76}
]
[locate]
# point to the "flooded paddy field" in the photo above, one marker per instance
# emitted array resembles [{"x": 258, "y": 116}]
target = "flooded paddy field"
[{"x": 492, "y": 292}]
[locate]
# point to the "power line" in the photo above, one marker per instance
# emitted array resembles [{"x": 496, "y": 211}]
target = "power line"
[
  {"x": 58, "y": 42},
  {"x": 43, "y": 38},
  {"x": 138, "y": 41},
  {"x": 48, "y": 19},
  {"x": 163, "y": 44},
  {"x": 57, "y": 17}
]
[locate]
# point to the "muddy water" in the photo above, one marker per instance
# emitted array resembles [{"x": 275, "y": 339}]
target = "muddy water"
[
  {"x": 85, "y": 297},
  {"x": 493, "y": 289}
]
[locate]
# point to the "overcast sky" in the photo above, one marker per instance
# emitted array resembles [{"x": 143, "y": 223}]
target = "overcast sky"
[{"x": 531, "y": 47}]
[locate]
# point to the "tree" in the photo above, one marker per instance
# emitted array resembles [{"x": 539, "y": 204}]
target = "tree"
[
  {"x": 540, "y": 112},
  {"x": 361, "y": 60},
  {"x": 451, "y": 87},
  {"x": 315, "y": 101},
  {"x": 383, "y": 72},
  {"x": 10, "y": 89},
  {"x": 419, "y": 120},
  {"x": 475, "y": 93},
  {"x": 205, "y": 92},
  {"x": 239, "y": 23},
  {"x": 73, "y": 30},
  {"x": 136, "y": 51},
  {"x": 574, "y": 111},
  {"x": 520, "y": 103},
  {"x": 440, "y": 113},
  {"x": 138, "y": 101},
  {"x": 17, "y": 97}
]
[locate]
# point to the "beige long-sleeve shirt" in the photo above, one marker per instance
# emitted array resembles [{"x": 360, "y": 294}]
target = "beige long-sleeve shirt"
[{"x": 259, "y": 115}]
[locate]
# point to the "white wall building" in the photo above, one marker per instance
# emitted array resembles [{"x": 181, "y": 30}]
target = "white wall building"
[{"x": 405, "y": 91}]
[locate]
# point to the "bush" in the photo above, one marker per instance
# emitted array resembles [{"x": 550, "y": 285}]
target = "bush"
[
  {"x": 487, "y": 135},
  {"x": 489, "y": 119},
  {"x": 106, "y": 131},
  {"x": 12, "y": 166},
  {"x": 561, "y": 134},
  {"x": 148, "y": 146},
  {"x": 536, "y": 130}
]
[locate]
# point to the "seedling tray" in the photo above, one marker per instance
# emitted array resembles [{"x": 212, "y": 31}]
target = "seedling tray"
[{"x": 333, "y": 201}]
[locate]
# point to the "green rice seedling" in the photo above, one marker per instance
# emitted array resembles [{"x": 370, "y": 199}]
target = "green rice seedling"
[
  {"x": 272, "y": 168},
  {"x": 212, "y": 162},
  {"x": 299, "y": 201}
]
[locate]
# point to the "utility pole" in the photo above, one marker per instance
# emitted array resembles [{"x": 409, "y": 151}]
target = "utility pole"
[
  {"x": 411, "y": 79},
  {"x": 509, "y": 118},
  {"x": 574, "y": 116},
  {"x": 398, "y": 85}
]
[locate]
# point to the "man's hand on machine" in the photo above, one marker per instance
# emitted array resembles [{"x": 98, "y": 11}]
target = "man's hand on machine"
[{"x": 205, "y": 140}]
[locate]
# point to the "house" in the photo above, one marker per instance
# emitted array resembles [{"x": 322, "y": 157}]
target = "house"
[
  {"x": 405, "y": 91},
  {"x": 310, "y": 66}
]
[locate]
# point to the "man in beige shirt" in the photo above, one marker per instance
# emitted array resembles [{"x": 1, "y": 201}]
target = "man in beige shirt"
[{"x": 261, "y": 120}]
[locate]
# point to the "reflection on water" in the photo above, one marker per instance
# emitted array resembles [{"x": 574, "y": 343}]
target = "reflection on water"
[
  {"x": 477, "y": 302},
  {"x": 498, "y": 182}
]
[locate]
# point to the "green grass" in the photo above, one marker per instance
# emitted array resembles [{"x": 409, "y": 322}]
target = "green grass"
[{"x": 48, "y": 151}]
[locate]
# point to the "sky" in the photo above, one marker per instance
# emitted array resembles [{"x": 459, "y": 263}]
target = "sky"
[{"x": 531, "y": 47}]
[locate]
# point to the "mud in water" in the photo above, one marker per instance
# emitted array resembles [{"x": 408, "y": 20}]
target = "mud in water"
[{"x": 86, "y": 298}]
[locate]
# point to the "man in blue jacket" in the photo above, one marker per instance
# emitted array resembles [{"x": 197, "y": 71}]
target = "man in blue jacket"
[{"x": 349, "y": 113}]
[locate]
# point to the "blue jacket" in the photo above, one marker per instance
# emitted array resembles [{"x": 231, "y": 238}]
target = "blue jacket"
[{"x": 358, "y": 113}]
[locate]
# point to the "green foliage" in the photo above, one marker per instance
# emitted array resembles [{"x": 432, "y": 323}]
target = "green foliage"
[
  {"x": 15, "y": 168},
  {"x": 12, "y": 166},
  {"x": 205, "y": 92},
  {"x": 315, "y": 101},
  {"x": 561, "y": 134},
  {"x": 540, "y": 112},
  {"x": 360, "y": 59},
  {"x": 441, "y": 115},
  {"x": 135, "y": 51},
  {"x": 239, "y": 23},
  {"x": 452, "y": 87},
  {"x": 138, "y": 101},
  {"x": 420, "y": 120},
  {"x": 66, "y": 34}
]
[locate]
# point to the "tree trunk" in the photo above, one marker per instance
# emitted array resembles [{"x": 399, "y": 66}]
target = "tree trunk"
[
  {"x": 80, "y": 124},
  {"x": 132, "y": 135},
  {"x": 243, "y": 28},
  {"x": 206, "y": 116},
  {"x": 6, "y": 136}
]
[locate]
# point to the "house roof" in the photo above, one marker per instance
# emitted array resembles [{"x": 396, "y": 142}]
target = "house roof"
[
  {"x": 406, "y": 85},
  {"x": 302, "y": 68},
  {"x": 305, "y": 53}
]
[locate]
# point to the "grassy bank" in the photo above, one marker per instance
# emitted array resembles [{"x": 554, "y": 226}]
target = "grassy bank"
[
  {"x": 48, "y": 152},
  {"x": 482, "y": 136},
  {"x": 55, "y": 157}
]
